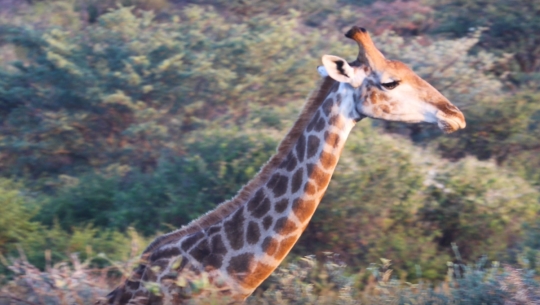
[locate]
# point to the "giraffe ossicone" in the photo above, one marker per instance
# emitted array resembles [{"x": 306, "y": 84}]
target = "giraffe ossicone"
[{"x": 242, "y": 241}]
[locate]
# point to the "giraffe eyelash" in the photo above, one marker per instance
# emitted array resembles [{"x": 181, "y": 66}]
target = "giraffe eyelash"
[{"x": 390, "y": 85}]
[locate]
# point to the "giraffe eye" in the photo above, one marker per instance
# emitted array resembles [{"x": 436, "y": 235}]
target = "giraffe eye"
[{"x": 391, "y": 85}]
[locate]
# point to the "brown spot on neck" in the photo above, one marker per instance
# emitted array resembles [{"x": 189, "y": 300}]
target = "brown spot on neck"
[
  {"x": 285, "y": 246},
  {"x": 328, "y": 160},
  {"x": 297, "y": 180},
  {"x": 201, "y": 251},
  {"x": 281, "y": 205},
  {"x": 269, "y": 245},
  {"x": 240, "y": 265},
  {"x": 284, "y": 226},
  {"x": 253, "y": 233},
  {"x": 267, "y": 222},
  {"x": 310, "y": 188},
  {"x": 257, "y": 276},
  {"x": 234, "y": 229},
  {"x": 278, "y": 184},
  {"x": 332, "y": 139},
  {"x": 304, "y": 209},
  {"x": 320, "y": 176}
]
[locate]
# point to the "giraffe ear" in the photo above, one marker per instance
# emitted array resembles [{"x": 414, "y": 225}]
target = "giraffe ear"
[{"x": 338, "y": 69}]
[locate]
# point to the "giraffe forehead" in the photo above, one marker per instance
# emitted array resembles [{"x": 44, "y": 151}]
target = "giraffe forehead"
[{"x": 393, "y": 70}]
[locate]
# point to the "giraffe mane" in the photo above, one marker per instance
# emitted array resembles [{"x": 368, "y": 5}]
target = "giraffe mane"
[{"x": 315, "y": 99}]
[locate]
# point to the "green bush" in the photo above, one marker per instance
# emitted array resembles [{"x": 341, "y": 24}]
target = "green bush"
[
  {"x": 479, "y": 207},
  {"x": 16, "y": 212},
  {"x": 217, "y": 164},
  {"x": 53, "y": 245},
  {"x": 129, "y": 88},
  {"x": 20, "y": 232}
]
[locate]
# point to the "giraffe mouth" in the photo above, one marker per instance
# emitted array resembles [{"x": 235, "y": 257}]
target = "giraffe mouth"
[{"x": 449, "y": 124}]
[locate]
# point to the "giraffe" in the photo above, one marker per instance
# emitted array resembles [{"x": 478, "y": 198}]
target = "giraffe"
[{"x": 244, "y": 239}]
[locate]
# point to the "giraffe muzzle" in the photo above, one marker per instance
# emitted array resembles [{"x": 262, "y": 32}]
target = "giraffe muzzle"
[{"x": 451, "y": 123}]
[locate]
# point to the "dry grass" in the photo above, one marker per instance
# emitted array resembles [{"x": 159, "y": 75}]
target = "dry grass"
[
  {"x": 73, "y": 282},
  {"x": 303, "y": 282}
]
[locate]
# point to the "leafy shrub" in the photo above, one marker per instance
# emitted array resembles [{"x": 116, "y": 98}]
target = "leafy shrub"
[
  {"x": 129, "y": 88},
  {"x": 217, "y": 164},
  {"x": 54, "y": 245},
  {"x": 16, "y": 212},
  {"x": 19, "y": 232},
  {"x": 477, "y": 206}
]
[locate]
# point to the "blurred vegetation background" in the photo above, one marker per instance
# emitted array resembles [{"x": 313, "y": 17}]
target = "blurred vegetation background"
[{"x": 121, "y": 120}]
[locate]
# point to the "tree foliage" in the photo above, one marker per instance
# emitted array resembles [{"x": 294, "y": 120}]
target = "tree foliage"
[
  {"x": 129, "y": 88},
  {"x": 513, "y": 26}
]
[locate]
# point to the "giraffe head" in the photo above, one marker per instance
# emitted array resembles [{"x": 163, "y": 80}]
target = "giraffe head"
[{"x": 389, "y": 90}]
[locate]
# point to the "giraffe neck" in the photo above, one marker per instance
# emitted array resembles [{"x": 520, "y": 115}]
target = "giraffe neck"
[
  {"x": 275, "y": 216},
  {"x": 261, "y": 225}
]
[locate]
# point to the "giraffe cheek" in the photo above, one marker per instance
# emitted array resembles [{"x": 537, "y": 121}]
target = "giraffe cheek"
[
  {"x": 365, "y": 108},
  {"x": 374, "y": 98},
  {"x": 385, "y": 108}
]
